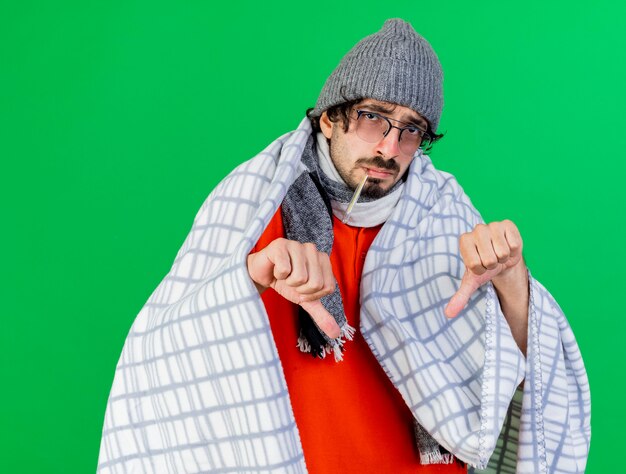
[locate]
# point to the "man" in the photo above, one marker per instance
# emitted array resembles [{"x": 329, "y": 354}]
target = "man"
[{"x": 447, "y": 351}]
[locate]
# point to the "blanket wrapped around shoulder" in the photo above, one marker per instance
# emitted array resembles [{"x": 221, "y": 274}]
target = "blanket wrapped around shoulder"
[{"x": 199, "y": 385}]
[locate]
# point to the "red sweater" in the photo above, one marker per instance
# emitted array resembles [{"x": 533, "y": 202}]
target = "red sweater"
[{"x": 350, "y": 416}]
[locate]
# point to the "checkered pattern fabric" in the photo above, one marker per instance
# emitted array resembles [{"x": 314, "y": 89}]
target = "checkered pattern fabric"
[{"x": 199, "y": 385}]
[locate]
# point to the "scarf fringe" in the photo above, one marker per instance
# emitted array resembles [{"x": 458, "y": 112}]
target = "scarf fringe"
[
  {"x": 303, "y": 344},
  {"x": 348, "y": 332},
  {"x": 335, "y": 346},
  {"x": 435, "y": 457}
]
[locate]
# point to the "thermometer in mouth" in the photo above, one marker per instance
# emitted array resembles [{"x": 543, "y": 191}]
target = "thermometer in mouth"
[{"x": 355, "y": 198}]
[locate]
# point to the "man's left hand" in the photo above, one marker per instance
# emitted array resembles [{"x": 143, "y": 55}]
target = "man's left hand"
[{"x": 490, "y": 252}]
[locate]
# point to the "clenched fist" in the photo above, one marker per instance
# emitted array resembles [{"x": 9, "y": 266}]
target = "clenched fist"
[
  {"x": 490, "y": 252},
  {"x": 299, "y": 273}
]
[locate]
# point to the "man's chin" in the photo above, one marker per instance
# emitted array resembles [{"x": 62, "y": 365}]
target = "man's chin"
[{"x": 374, "y": 190}]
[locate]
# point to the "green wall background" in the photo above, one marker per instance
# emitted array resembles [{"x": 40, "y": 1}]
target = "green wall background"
[{"x": 117, "y": 118}]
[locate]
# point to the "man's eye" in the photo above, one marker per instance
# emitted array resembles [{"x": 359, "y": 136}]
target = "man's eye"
[
  {"x": 414, "y": 131},
  {"x": 370, "y": 116}
]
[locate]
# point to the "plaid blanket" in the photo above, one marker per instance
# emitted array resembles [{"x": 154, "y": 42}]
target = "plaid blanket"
[{"x": 199, "y": 385}]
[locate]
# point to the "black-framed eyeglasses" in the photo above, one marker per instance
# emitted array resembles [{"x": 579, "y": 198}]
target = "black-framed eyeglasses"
[{"x": 373, "y": 127}]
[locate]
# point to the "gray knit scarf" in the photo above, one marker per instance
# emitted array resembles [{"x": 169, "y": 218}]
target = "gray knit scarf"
[{"x": 307, "y": 217}]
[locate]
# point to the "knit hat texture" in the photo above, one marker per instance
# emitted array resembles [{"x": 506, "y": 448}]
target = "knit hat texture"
[{"x": 396, "y": 65}]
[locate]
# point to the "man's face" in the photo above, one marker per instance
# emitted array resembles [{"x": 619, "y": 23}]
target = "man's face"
[{"x": 383, "y": 161}]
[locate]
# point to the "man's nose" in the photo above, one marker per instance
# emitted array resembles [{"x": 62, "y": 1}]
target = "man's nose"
[{"x": 389, "y": 145}]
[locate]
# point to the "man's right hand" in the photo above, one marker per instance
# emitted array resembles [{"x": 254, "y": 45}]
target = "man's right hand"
[{"x": 299, "y": 273}]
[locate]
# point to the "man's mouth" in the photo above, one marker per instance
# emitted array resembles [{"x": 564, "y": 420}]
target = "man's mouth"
[{"x": 378, "y": 172}]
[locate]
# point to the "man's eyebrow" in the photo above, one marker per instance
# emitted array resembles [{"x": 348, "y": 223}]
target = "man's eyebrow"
[{"x": 418, "y": 121}]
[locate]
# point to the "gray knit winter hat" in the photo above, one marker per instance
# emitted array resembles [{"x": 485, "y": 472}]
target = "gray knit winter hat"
[{"x": 393, "y": 65}]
